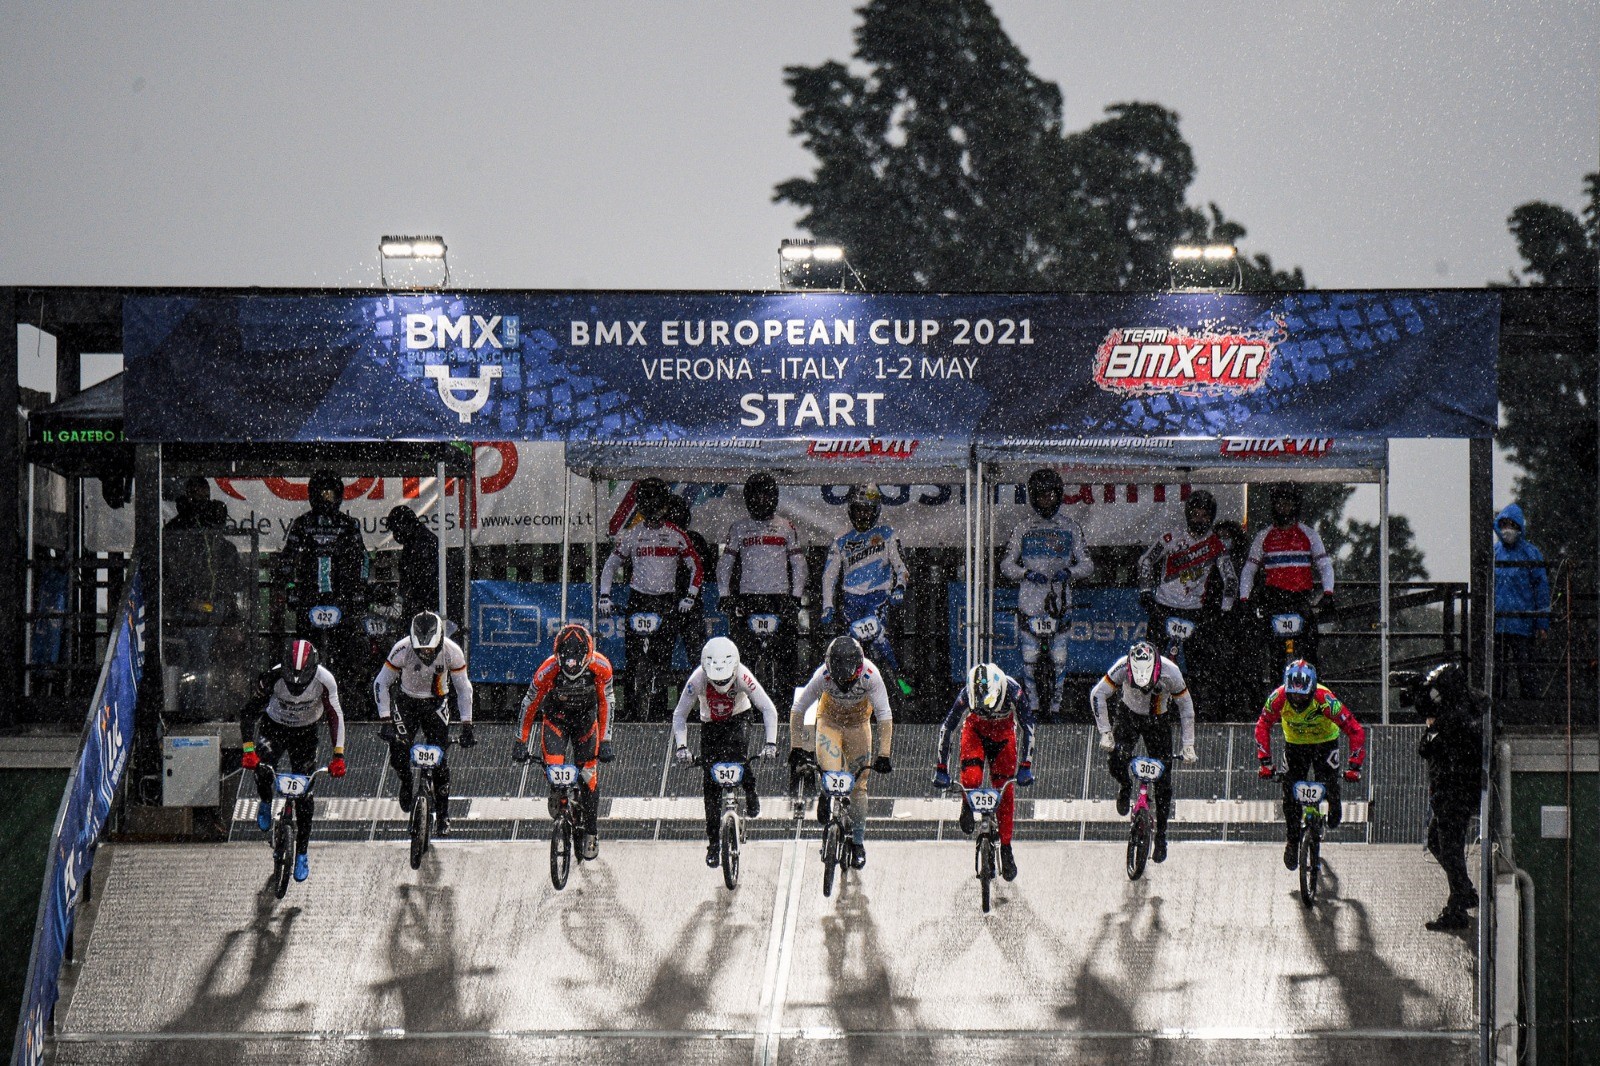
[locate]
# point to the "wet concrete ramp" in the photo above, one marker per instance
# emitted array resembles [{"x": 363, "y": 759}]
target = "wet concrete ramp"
[{"x": 646, "y": 958}]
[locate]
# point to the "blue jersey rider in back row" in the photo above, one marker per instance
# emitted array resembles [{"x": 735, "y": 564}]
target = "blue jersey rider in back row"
[
  {"x": 1045, "y": 555},
  {"x": 866, "y": 561}
]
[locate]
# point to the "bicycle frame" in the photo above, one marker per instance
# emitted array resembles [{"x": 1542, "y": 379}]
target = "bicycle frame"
[
  {"x": 284, "y": 836},
  {"x": 1141, "y": 821},
  {"x": 985, "y": 804},
  {"x": 837, "y": 785},
  {"x": 425, "y": 759}
]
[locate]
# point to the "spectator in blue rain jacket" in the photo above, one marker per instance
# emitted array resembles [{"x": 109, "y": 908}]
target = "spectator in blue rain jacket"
[{"x": 1518, "y": 587}]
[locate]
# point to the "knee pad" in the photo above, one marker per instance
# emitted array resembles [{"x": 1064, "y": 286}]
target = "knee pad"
[{"x": 971, "y": 773}]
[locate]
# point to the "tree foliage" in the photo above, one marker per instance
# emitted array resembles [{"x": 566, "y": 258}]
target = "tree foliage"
[
  {"x": 943, "y": 165},
  {"x": 1547, "y": 386}
]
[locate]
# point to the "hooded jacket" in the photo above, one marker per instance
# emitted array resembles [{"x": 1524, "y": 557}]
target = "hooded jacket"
[{"x": 1519, "y": 588}]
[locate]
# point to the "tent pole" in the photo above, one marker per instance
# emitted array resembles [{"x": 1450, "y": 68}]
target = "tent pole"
[
  {"x": 966, "y": 544},
  {"x": 443, "y": 560},
  {"x": 990, "y": 503},
  {"x": 594, "y": 553},
  {"x": 27, "y": 593},
  {"x": 469, "y": 518},
  {"x": 1383, "y": 585},
  {"x": 566, "y": 531}
]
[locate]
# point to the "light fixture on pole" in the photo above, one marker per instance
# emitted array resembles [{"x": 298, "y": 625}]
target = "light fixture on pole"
[
  {"x": 413, "y": 250},
  {"x": 815, "y": 266},
  {"x": 1205, "y": 268}
]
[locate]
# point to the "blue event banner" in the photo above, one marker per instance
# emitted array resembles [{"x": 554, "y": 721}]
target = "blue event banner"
[
  {"x": 1104, "y": 621},
  {"x": 107, "y": 739},
  {"x": 892, "y": 377}
]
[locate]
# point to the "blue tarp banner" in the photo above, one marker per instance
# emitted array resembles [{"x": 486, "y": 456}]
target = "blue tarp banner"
[
  {"x": 1104, "y": 621},
  {"x": 514, "y": 625},
  {"x": 108, "y": 734},
  {"x": 884, "y": 378}
]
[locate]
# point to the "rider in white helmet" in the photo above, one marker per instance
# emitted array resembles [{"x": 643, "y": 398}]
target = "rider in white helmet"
[{"x": 724, "y": 691}]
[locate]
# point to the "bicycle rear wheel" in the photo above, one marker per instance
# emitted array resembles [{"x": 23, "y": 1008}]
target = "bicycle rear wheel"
[
  {"x": 560, "y": 852},
  {"x": 832, "y": 855},
  {"x": 986, "y": 863},
  {"x": 283, "y": 850},
  {"x": 1044, "y": 679},
  {"x": 421, "y": 826},
  {"x": 1310, "y": 864},
  {"x": 1138, "y": 844},
  {"x": 730, "y": 850}
]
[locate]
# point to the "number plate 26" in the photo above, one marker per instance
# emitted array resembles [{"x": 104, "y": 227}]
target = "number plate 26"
[{"x": 838, "y": 782}]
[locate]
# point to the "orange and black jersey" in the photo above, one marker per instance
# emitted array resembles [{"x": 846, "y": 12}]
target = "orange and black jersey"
[{"x": 571, "y": 703}]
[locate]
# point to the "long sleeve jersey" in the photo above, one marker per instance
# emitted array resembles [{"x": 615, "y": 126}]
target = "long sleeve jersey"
[
  {"x": 422, "y": 681},
  {"x": 1171, "y": 691},
  {"x": 1013, "y": 712},
  {"x": 319, "y": 701},
  {"x": 1178, "y": 566},
  {"x": 1291, "y": 558},
  {"x": 1323, "y": 719},
  {"x": 1053, "y": 548},
  {"x": 717, "y": 706},
  {"x": 866, "y": 563},
  {"x": 770, "y": 558},
  {"x": 572, "y": 703},
  {"x": 324, "y": 562},
  {"x": 654, "y": 554}
]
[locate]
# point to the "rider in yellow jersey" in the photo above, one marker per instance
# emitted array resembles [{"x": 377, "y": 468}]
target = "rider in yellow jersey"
[{"x": 1312, "y": 719}]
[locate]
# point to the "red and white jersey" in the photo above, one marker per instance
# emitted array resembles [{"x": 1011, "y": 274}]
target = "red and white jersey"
[
  {"x": 1291, "y": 559},
  {"x": 320, "y": 698},
  {"x": 771, "y": 559},
  {"x": 717, "y": 706},
  {"x": 654, "y": 555},
  {"x": 1178, "y": 565}
]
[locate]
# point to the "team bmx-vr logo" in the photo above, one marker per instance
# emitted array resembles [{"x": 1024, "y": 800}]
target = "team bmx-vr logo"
[
  {"x": 465, "y": 394},
  {"x": 1156, "y": 360}
]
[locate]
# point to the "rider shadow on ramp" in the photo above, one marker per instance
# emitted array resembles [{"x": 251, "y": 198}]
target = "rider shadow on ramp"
[
  {"x": 426, "y": 970},
  {"x": 861, "y": 993},
  {"x": 1129, "y": 943}
]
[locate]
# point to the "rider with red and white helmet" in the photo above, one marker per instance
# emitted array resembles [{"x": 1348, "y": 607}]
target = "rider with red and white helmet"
[
  {"x": 1151, "y": 687},
  {"x": 723, "y": 691},
  {"x": 996, "y": 726}
]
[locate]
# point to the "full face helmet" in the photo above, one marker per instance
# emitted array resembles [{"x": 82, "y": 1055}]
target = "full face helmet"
[
  {"x": 845, "y": 660},
  {"x": 300, "y": 662},
  {"x": 986, "y": 688},
  {"x": 761, "y": 495},
  {"x": 1299, "y": 683},
  {"x": 720, "y": 660},
  {"x": 574, "y": 649},
  {"x": 865, "y": 504},
  {"x": 651, "y": 500},
  {"x": 427, "y": 635},
  {"x": 1286, "y": 499},
  {"x": 1144, "y": 666},
  {"x": 1200, "y": 511},
  {"x": 326, "y": 490},
  {"x": 1044, "y": 492}
]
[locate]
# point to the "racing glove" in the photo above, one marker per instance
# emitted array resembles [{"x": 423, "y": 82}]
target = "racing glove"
[
  {"x": 897, "y": 595},
  {"x": 882, "y": 765},
  {"x": 769, "y": 751},
  {"x": 941, "y": 776},
  {"x": 469, "y": 739},
  {"x": 1266, "y": 769},
  {"x": 686, "y": 604},
  {"x": 1188, "y": 753},
  {"x": 684, "y": 755},
  {"x": 604, "y": 605},
  {"x": 1106, "y": 741},
  {"x": 520, "y": 752},
  {"x": 605, "y": 754},
  {"x": 827, "y": 617},
  {"x": 250, "y": 760},
  {"x": 1037, "y": 578},
  {"x": 799, "y": 758},
  {"x": 1025, "y": 775},
  {"x": 1353, "y": 774},
  {"x": 336, "y": 765}
]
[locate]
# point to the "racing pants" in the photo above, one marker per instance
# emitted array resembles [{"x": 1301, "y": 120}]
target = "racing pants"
[
  {"x": 1032, "y": 647},
  {"x": 299, "y": 744},
  {"x": 581, "y": 741},
  {"x": 1127, "y": 729},
  {"x": 650, "y": 653},
  {"x": 846, "y": 744},
  {"x": 879, "y": 650},
  {"x": 776, "y": 649},
  {"x": 1284, "y": 650},
  {"x": 1447, "y": 842},
  {"x": 996, "y": 745},
  {"x": 1311, "y": 762},
  {"x": 723, "y": 742},
  {"x": 426, "y": 719}
]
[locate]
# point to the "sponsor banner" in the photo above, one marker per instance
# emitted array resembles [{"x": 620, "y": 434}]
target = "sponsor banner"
[
  {"x": 1359, "y": 458},
  {"x": 514, "y": 625},
  {"x": 691, "y": 371},
  {"x": 108, "y": 734},
  {"x": 1103, "y": 622}
]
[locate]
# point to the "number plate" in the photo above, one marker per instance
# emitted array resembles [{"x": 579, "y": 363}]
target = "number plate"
[
  {"x": 763, "y": 625},
  {"x": 1180, "y": 628},
  {"x": 644, "y": 622},
  {"x": 426, "y": 755},
  {"x": 984, "y": 800},
  {"x": 292, "y": 785},
  {"x": 375, "y": 627},
  {"x": 1288, "y": 625},
  {"x": 1147, "y": 769},
  {"x": 1044, "y": 626},
  {"x": 326, "y": 617},
  {"x": 865, "y": 628},
  {"x": 727, "y": 773},
  {"x": 838, "y": 782},
  {"x": 1309, "y": 792},
  {"x": 562, "y": 774}
]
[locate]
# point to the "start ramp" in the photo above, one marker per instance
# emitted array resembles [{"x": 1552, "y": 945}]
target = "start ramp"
[{"x": 646, "y": 958}]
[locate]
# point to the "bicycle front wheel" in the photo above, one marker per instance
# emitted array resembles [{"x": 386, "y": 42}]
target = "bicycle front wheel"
[
  {"x": 283, "y": 850},
  {"x": 1138, "y": 844},
  {"x": 730, "y": 850},
  {"x": 421, "y": 826},
  {"x": 560, "y": 852},
  {"x": 1310, "y": 864},
  {"x": 832, "y": 855},
  {"x": 986, "y": 864}
]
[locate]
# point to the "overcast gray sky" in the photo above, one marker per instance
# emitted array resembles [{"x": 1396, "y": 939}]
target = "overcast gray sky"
[{"x": 613, "y": 145}]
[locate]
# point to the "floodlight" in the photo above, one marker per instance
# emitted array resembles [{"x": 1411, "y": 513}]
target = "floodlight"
[
  {"x": 1187, "y": 251},
  {"x": 1219, "y": 251},
  {"x": 1205, "y": 268},
  {"x": 413, "y": 249},
  {"x": 807, "y": 264}
]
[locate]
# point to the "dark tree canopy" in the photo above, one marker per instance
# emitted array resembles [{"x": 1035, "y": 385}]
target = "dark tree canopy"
[
  {"x": 1547, "y": 389},
  {"x": 942, "y": 165}
]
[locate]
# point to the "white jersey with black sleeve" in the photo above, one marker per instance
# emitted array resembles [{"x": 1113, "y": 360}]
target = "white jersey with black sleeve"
[
  {"x": 320, "y": 698},
  {"x": 715, "y": 706},
  {"x": 1170, "y": 691}
]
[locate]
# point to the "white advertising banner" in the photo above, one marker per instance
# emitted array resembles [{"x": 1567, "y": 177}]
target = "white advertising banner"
[{"x": 517, "y": 499}]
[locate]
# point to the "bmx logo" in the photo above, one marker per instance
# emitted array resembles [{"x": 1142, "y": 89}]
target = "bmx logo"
[
  {"x": 464, "y": 396},
  {"x": 1145, "y": 361},
  {"x": 864, "y": 448},
  {"x": 1267, "y": 447}
]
